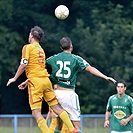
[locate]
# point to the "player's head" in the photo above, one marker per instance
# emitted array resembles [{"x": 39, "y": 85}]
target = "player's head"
[
  {"x": 122, "y": 82},
  {"x": 36, "y": 33},
  {"x": 66, "y": 43},
  {"x": 121, "y": 87}
]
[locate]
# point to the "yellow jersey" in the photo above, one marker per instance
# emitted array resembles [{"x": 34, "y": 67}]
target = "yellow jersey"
[{"x": 36, "y": 60}]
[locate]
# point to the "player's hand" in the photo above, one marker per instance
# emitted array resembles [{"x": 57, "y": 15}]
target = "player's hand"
[
  {"x": 10, "y": 81},
  {"x": 111, "y": 79},
  {"x": 123, "y": 122},
  {"x": 106, "y": 123},
  {"x": 23, "y": 85}
]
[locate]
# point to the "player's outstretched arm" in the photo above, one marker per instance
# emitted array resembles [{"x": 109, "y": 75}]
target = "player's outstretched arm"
[
  {"x": 96, "y": 72},
  {"x": 20, "y": 70}
]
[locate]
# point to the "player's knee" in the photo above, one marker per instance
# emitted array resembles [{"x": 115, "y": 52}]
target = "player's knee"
[
  {"x": 36, "y": 113},
  {"x": 33, "y": 113},
  {"x": 57, "y": 109}
]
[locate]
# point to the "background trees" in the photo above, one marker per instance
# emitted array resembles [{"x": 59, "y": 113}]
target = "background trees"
[{"x": 101, "y": 33}]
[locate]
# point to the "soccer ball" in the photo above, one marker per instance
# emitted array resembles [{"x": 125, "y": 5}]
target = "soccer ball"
[{"x": 61, "y": 12}]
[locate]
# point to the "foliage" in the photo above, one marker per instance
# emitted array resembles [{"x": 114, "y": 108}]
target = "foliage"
[
  {"x": 101, "y": 32},
  {"x": 107, "y": 47}
]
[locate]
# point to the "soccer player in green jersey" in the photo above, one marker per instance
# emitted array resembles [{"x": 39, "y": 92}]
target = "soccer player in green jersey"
[
  {"x": 65, "y": 66},
  {"x": 120, "y": 105}
]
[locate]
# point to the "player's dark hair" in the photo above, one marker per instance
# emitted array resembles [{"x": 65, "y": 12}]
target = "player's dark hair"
[
  {"x": 65, "y": 43},
  {"x": 123, "y": 82},
  {"x": 37, "y": 33}
]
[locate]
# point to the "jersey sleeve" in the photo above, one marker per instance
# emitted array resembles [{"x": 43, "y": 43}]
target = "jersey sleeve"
[
  {"x": 109, "y": 107},
  {"x": 50, "y": 59},
  {"x": 81, "y": 62},
  {"x": 131, "y": 103},
  {"x": 25, "y": 52}
]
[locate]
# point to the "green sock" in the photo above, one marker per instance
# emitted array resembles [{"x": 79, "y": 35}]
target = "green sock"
[
  {"x": 57, "y": 131},
  {"x": 79, "y": 131}
]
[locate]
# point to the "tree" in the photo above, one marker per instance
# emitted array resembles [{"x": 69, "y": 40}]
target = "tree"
[
  {"x": 100, "y": 31},
  {"x": 107, "y": 47}
]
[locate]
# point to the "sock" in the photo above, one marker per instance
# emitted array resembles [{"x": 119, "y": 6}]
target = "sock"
[
  {"x": 64, "y": 129},
  {"x": 57, "y": 131},
  {"x": 52, "y": 125},
  {"x": 79, "y": 131},
  {"x": 42, "y": 125},
  {"x": 65, "y": 118}
]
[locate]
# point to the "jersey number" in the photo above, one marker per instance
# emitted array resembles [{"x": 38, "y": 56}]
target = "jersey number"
[
  {"x": 41, "y": 59},
  {"x": 63, "y": 66}
]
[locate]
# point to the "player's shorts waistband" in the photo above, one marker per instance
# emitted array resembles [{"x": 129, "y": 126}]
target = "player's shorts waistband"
[{"x": 57, "y": 87}]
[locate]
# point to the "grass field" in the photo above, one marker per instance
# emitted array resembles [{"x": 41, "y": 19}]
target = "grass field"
[
  {"x": 96, "y": 130},
  {"x": 27, "y": 124},
  {"x": 36, "y": 130}
]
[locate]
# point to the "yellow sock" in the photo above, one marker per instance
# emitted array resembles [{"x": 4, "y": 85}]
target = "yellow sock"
[
  {"x": 53, "y": 125},
  {"x": 65, "y": 118},
  {"x": 42, "y": 125},
  {"x": 64, "y": 129}
]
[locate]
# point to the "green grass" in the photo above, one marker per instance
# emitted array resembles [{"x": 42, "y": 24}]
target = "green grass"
[
  {"x": 20, "y": 130},
  {"x": 37, "y": 130},
  {"x": 96, "y": 130}
]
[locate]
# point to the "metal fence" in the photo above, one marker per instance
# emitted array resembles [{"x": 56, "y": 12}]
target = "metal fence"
[{"x": 90, "y": 123}]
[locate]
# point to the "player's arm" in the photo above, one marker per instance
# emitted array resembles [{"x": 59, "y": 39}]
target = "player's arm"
[
  {"x": 20, "y": 70},
  {"x": 125, "y": 121},
  {"x": 23, "y": 85},
  {"x": 96, "y": 72},
  {"x": 107, "y": 116}
]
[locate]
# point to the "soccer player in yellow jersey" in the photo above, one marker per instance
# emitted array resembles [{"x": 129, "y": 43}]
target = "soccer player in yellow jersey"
[{"x": 39, "y": 85}]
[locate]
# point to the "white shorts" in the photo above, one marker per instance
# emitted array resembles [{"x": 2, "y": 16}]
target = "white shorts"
[
  {"x": 121, "y": 132},
  {"x": 70, "y": 102}
]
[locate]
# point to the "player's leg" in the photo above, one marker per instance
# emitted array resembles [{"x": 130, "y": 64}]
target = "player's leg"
[
  {"x": 70, "y": 102},
  {"x": 64, "y": 129},
  {"x": 59, "y": 123},
  {"x": 56, "y": 123},
  {"x": 34, "y": 90},
  {"x": 40, "y": 120},
  {"x": 76, "y": 124},
  {"x": 52, "y": 124},
  {"x": 50, "y": 98},
  {"x": 64, "y": 117}
]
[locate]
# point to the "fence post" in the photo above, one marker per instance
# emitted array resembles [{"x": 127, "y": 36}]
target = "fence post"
[{"x": 15, "y": 123}]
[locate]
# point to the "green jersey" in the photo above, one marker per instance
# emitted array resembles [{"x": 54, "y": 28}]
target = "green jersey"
[
  {"x": 64, "y": 68},
  {"x": 121, "y": 108}
]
